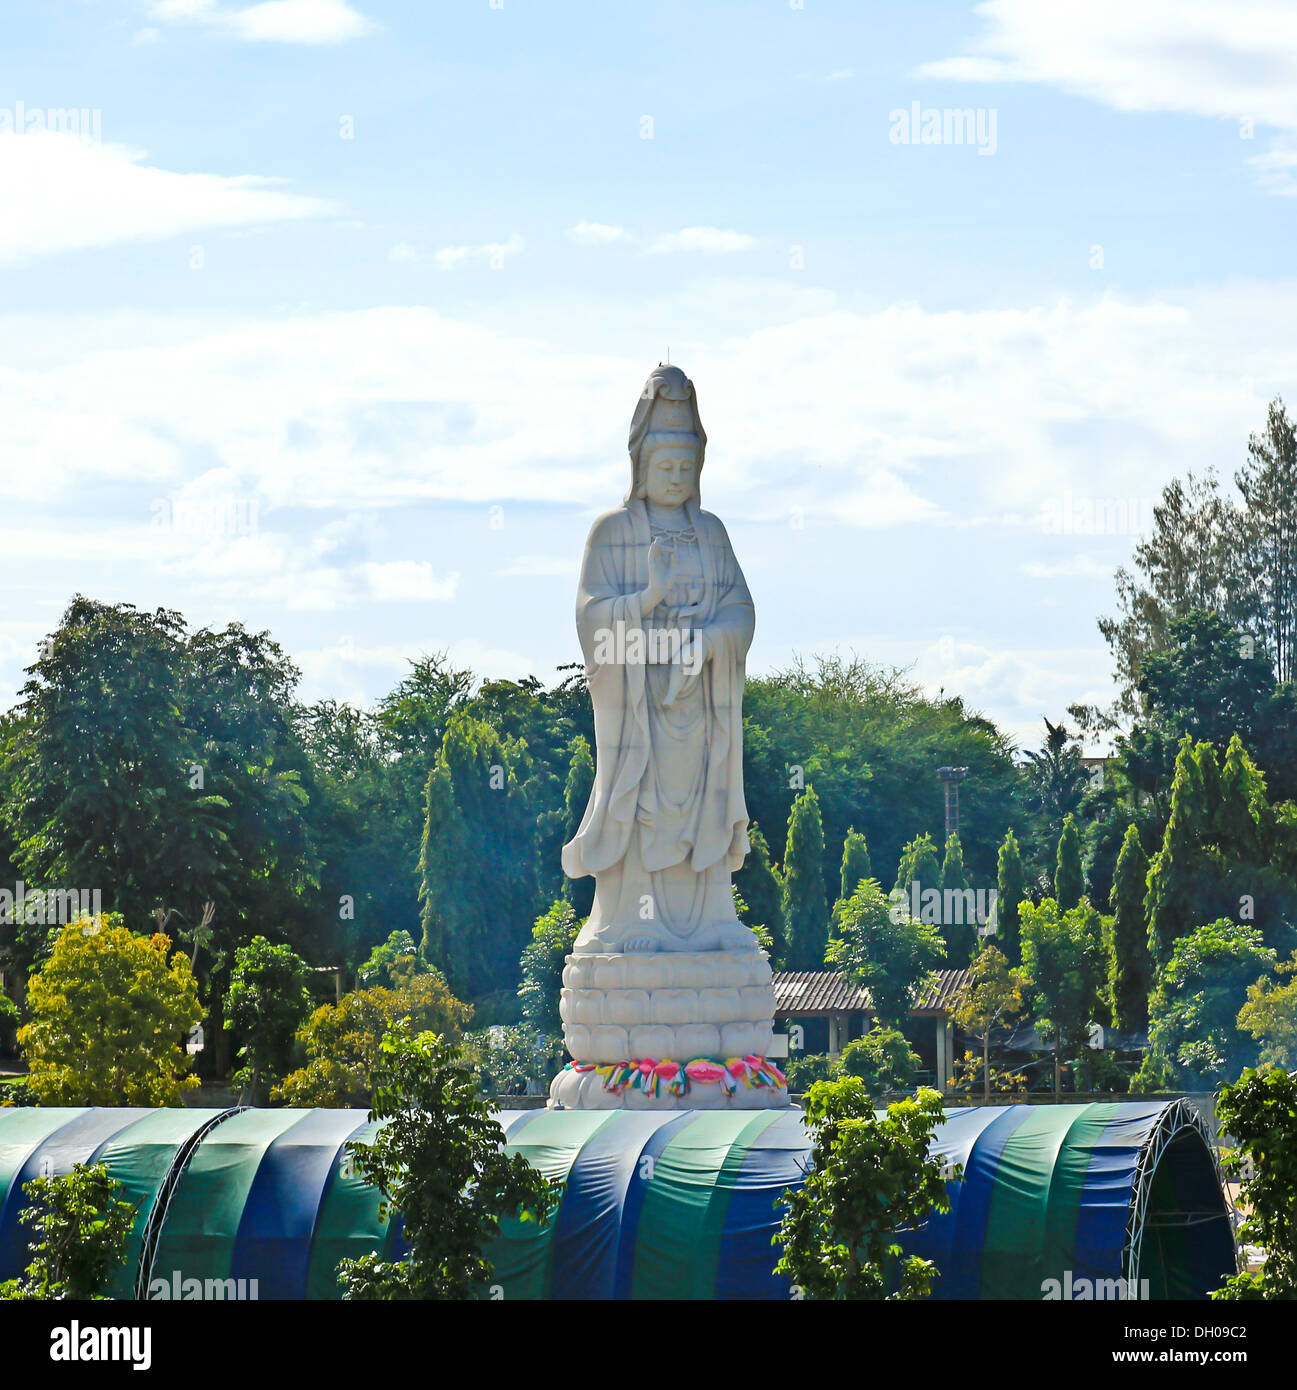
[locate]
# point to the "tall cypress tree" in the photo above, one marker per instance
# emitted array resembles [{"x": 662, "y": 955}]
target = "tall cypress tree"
[
  {"x": 576, "y": 794},
  {"x": 1129, "y": 967},
  {"x": 1010, "y": 890},
  {"x": 1069, "y": 882},
  {"x": 959, "y": 925},
  {"x": 1241, "y": 813},
  {"x": 855, "y": 863},
  {"x": 477, "y": 864},
  {"x": 806, "y": 906},
  {"x": 1169, "y": 903},
  {"x": 919, "y": 864},
  {"x": 762, "y": 890}
]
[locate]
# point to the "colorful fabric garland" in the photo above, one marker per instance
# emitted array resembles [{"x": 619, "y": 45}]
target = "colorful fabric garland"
[{"x": 659, "y": 1078}]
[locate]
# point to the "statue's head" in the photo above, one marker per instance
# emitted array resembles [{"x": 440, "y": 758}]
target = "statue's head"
[{"x": 667, "y": 440}]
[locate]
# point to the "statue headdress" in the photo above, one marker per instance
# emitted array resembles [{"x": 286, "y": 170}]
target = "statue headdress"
[{"x": 666, "y": 413}]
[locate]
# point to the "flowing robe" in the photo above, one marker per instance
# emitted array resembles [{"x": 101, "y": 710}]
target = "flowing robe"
[{"x": 666, "y": 822}]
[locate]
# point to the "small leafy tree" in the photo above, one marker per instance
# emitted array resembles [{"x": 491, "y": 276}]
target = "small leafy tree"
[
  {"x": 869, "y": 1177},
  {"x": 885, "y": 951},
  {"x": 394, "y": 962},
  {"x": 1064, "y": 964},
  {"x": 1259, "y": 1112},
  {"x": 1270, "y": 1016},
  {"x": 439, "y": 1163},
  {"x": 267, "y": 1002},
  {"x": 990, "y": 1000},
  {"x": 882, "y": 1059},
  {"x": 109, "y": 1018},
  {"x": 1193, "y": 1013},
  {"x": 82, "y": 1227},
  {"x": 343, "y": 1041},
  {"x": 855, "y": 870},
  {"x": 543, "y": 958}
]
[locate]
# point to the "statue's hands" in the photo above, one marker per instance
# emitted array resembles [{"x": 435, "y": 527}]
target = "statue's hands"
[{"x": 660, "y": 557}]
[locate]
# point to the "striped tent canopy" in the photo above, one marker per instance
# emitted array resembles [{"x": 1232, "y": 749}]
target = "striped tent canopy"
[{"x": 656, "y": 1204}]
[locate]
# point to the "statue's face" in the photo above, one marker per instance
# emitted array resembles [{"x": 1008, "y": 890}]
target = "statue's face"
[{"x": 671, "y": 477}]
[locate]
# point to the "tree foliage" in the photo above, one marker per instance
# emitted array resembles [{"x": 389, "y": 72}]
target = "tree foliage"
[
  {"x": 885, "y": 951},
  {"x": 805, "y": 904},
  {"x": 343, "y": 1041},
  {"x": 109, "y": 1018},
  {"x": 869, "y": 1177},
  {"x": 439, "y": 1162},
  {"x": 82, "y": 1227},
  {"x": 1259, "y": 1112}
]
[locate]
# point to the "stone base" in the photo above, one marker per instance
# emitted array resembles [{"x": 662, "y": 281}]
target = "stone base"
[
  {"x": 573, "y": 1090},
  {"x": 667, "y": 1005}
]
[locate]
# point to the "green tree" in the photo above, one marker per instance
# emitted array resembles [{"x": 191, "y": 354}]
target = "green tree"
[
  {"x": 919, "y": 865},
  {"x": 959, "y": 919},
  {"x": 82, "y": 1227},
  {"x": 342, "y": 1041},
  {"x": 1010, "y": 891},
  {"x": 109, "y": 1018},
  {"x": 440, "y": 1164},
  {"x": 1129, "y": 966},
  {"x": 1270, "y": 1017},
  {"x": 477, "y": 862},
  {"x": 1069, "y": 881},
  {"x": 882, "y": 1059},
  {"x": 805, "y": 905},
  {"x": 1257, "y": 1113},
  {"x": 761, "y": 887},
  {"x": 1172, "y": 902},
  {"x": 1268, "y": 484},
  {"x": 543, "y": 958},
  {"x": 268, "y": 1000},
  {"x": 1064, "y": 966},
  {"x": 855, "y": 864},
  {"x": 989, "y": 1001},
  {"x": 394, "y": 963},
  {"x": 1193, "y": 1011},
  {"x": 867, "y": 1179},
  {"x": 1056, "y": 780},
  {"x": 884, "y": 950}
]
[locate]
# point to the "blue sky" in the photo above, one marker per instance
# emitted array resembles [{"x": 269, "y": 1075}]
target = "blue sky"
[{"x": 334, "y": 322}]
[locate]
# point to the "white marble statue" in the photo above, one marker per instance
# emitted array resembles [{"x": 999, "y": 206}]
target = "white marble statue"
[
  {"x": 665, "y": 621},
  {"x": 664, "y": 974}
]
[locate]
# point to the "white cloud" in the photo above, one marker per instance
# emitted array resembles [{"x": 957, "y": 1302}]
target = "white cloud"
[
  {"x": 596, "y": 233},
  {"x": 76, "y": 194},
  {"x": 494, "y": 251},
  {"x": 1230, "y": 59},
  {"x": 402, "y": 251},
  {"x": 408, "y": 581},
  {"x": 272, "y": 21},
  {"x": 710, "y": 239}
]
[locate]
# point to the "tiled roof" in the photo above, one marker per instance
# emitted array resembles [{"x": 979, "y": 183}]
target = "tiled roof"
[
  {"x": 803, "y": 993},
  {"x": 940, "y": 998},
  {"x": 816, "y": 991}
]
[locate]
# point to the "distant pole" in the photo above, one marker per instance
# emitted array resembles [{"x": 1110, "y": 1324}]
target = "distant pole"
[{"x": 951, "y": 777}]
